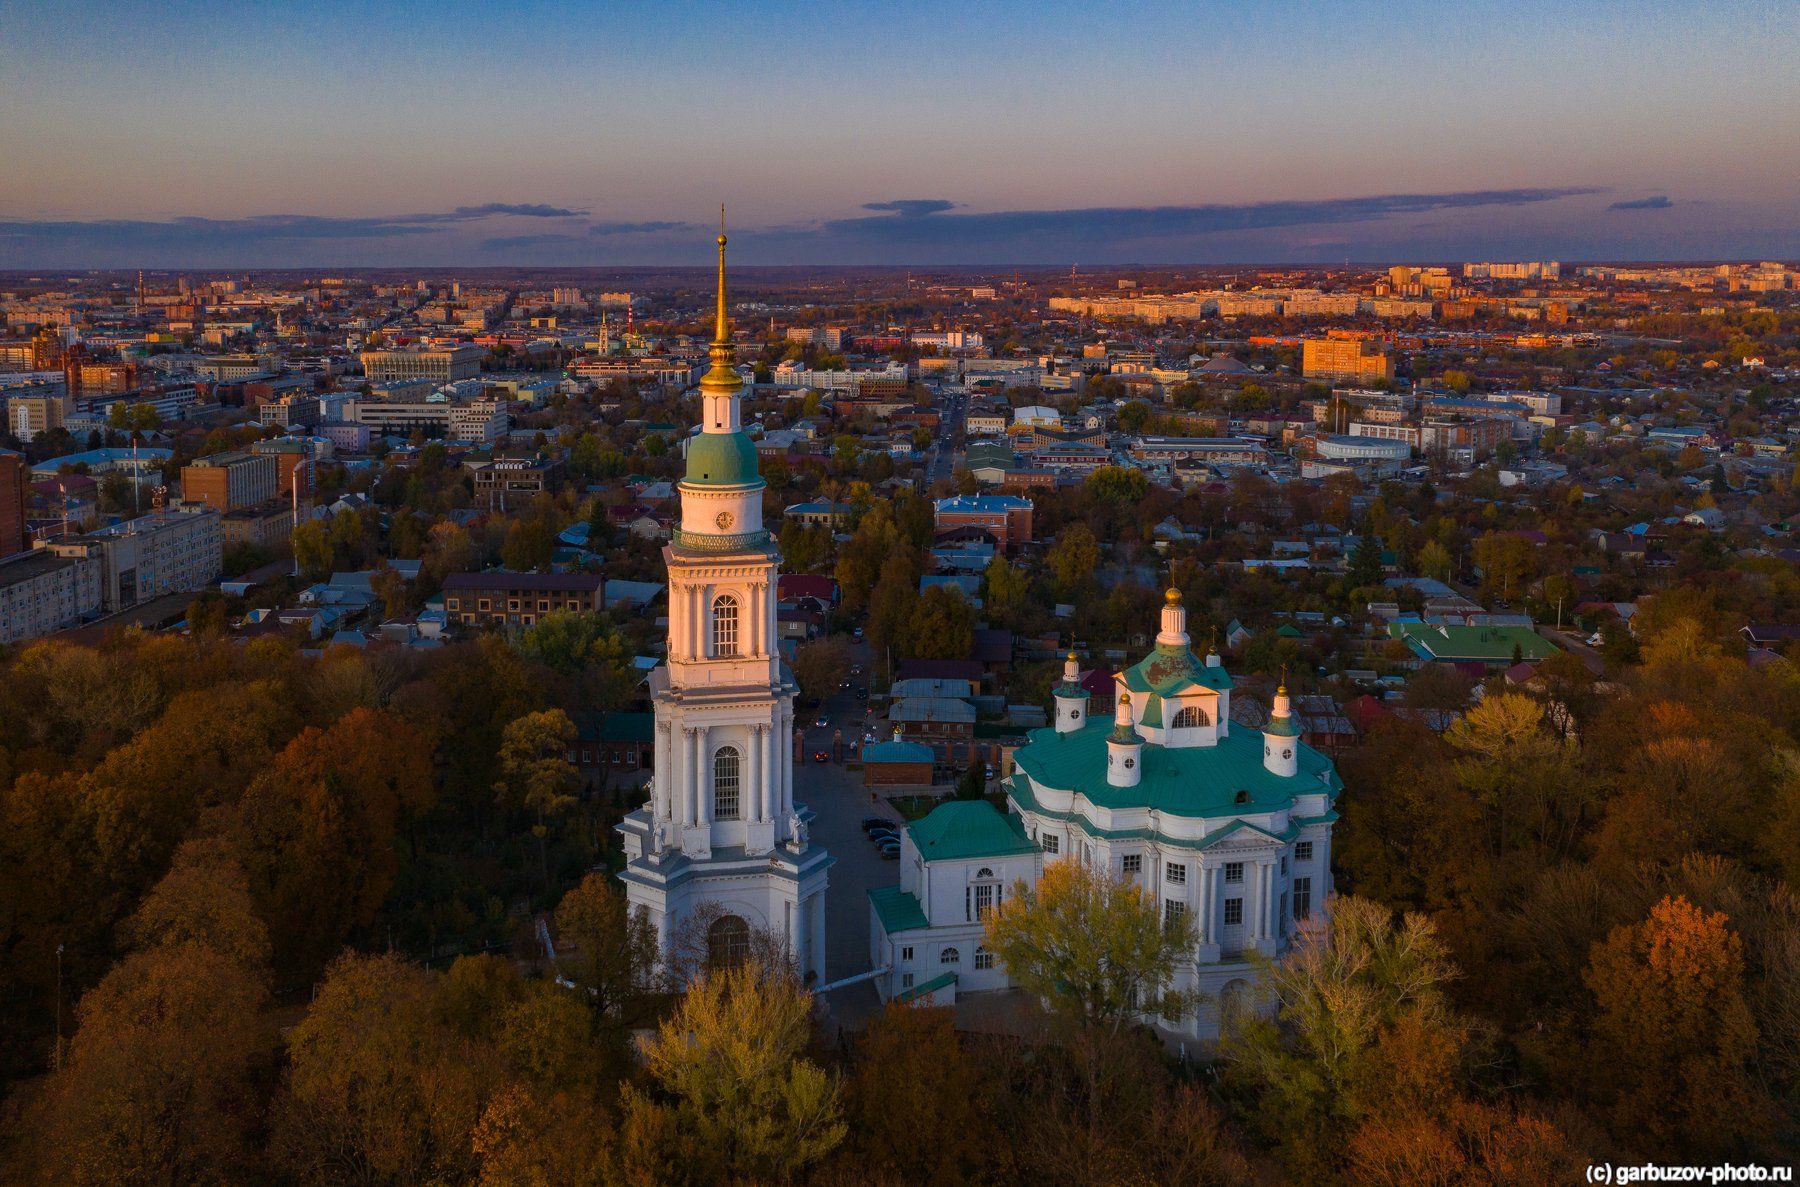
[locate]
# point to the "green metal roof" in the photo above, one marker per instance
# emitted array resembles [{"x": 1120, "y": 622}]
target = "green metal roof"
[
  {"x": 967, "y": 829},
  {"x": 721, "y": 459},
  {"x": 1489, "y": 644},
  {"x": 941, "y": 981},
  {"x": 897, "y": 909},
  {"x": 1283, "y": 727},
  {"x": 1195, "y": 781},
  {"x": 1167, "y": 670},
  {"x": 1019, "y": 788},
  {"x": 897, "y": 750}
]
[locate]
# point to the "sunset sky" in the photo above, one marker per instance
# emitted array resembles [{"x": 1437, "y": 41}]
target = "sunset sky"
[{"x": 1031, "y": 132}]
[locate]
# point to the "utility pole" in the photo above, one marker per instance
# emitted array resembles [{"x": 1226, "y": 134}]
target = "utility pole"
[{"x": 56, "y": 1058}]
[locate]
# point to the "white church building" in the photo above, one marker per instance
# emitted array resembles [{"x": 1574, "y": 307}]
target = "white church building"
[
  {"x": 1227, "y": 825},
  {"x": 722, "y": 845}
]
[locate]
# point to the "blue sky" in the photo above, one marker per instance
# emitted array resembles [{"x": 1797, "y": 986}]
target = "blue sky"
[{"x": 1004, "y": 132}]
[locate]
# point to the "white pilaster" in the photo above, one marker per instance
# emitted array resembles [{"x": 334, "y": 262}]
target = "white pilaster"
[
  {"x": 1208, "y": 888},
  {"x": 704, "y": 791},
  {"x": 661, "y": 777},
  {"x": 771, "y": 753},
  {"x": 691, "y": 777}
]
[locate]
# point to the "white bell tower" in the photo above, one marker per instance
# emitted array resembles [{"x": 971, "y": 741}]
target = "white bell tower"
[{"x": 722, "y": 844}]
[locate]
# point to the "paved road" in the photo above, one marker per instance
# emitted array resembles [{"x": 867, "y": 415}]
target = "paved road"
[
  {"x": 942, "y": 462},
  {"x": 1576, "y": 643},
  {"x": 839, "y": 803}
]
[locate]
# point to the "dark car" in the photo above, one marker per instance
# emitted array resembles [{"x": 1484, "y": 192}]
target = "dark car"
[
  {"x": 869, "y": 822},
  {"x": 821, "y": 756}
]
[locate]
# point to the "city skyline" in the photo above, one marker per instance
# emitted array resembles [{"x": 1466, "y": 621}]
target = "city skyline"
[{"x": 1004, "y": 134}]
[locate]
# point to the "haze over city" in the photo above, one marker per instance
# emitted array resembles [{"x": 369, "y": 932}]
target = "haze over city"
[{"x": 229, "y": 135}]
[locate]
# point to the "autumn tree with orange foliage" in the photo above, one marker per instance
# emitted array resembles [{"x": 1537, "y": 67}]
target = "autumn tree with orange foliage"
[{"x": 1673, "y": 1036}]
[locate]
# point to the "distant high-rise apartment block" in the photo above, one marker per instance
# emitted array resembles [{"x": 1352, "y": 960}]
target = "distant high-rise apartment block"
[
  {"x": 443, "y": 365},
  {"x": 1353, "y": 359},
  {"x": 1532, "y": 270}
]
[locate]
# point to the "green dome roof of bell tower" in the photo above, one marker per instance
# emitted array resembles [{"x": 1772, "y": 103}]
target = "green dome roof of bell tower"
[{"x": 721, "y": 459}]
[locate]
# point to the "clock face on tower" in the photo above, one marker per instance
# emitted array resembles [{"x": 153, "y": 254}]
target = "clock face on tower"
[{"x": 724, "y": 519}]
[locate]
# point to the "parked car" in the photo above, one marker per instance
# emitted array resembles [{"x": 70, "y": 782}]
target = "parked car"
[{"x": 869, "y": 822}]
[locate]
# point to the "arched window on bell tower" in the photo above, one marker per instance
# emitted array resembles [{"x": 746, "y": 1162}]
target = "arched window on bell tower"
[
  {"x": 724, "y": 625},
  {"x": 725, "y": 783}
]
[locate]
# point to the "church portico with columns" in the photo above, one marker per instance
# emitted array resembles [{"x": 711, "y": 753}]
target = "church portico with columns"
[{"x": 722, "y": 840}]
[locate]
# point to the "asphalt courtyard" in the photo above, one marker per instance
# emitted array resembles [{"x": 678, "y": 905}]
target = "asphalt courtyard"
[{"x": 839, "y": 802}]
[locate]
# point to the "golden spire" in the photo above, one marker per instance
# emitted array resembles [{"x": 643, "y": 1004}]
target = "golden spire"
[
  {"x": 722, "y": 333},
  {"x": 723, "y": 376}
]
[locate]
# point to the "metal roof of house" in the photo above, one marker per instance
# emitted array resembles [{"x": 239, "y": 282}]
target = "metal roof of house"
[{"x": 963, "y": 829}]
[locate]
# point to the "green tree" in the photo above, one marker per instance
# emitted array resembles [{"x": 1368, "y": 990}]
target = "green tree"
[
  {"x": 613, "y": 956},
  {"x": 1118, "y": 484},
  {"x": 1361, "y": 1025},
  {"x": 586, "y": 646},
  {"x": 312, "y": 550},
  {"x": 1365, "y": 569},
  {"x": 1074, "y": 558},
  {"x": 1435, "y": 561},
  {"x": 1005, "y": 588},
  {"x": 348, "y": 538},
  {"x": 378, "y": 1089},
  {"x": 1505, "y": 561},
  {"x": 1094, "y": 949},
  {"x": 1134, "y": 415},
  {"x": 448, "y": 549},
  {"x": 530, "y": 545},
  {"x": 535, "y": 773},
  {"x": 748, "y": 1104},
  {"x": 940, "y": 626},
  {"x": 821, "y": 665},
  {"x": 133, "y": 418}
]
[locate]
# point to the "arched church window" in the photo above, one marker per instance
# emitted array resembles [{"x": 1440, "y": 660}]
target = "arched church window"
[
  {"x": 727, "y": 942},
  {"x": 950, "y": 956},
  {"x": 726, "y": 776},
  {"x": 1192, "y": 715},
  {"x": 725, "y": 625}
]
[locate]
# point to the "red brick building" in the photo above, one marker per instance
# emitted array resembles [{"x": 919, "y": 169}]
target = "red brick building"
[
  {"x": 1006, "y": 519},
  {"x": 15, "y": 486}
]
